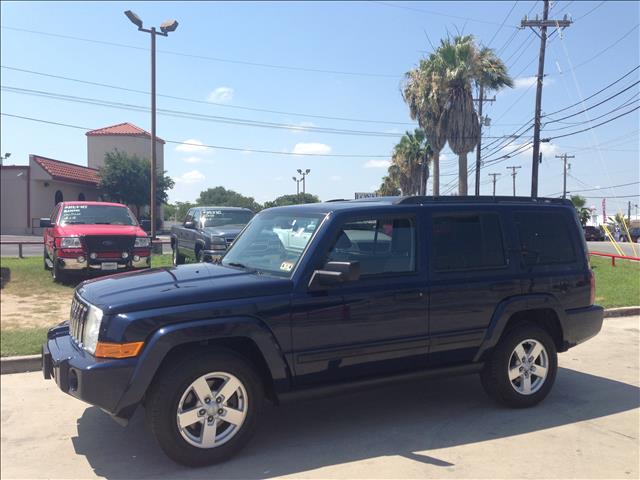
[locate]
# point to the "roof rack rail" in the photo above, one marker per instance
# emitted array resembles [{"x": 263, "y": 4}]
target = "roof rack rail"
[{"x": 480, "y": 199}]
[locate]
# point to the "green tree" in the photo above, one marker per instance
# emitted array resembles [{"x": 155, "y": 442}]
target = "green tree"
[
  {"x": 584, "y": 214},
  {"x": 221, "y": 197},
  {"x": 177, "y": 211},
  {"x": 388, "y": 188},
  {"x": 439, "y": 95},
  {"x": 292, "y": 199},
  {"x": 127, "y": 179}
]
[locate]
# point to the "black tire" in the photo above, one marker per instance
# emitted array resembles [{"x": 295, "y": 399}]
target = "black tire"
[
  {"x": 165, "y": 394},
  {"x": 495, "y": 376},
  {"x": 199, "y": 255},
  {"x": 57, "y": 274},
  {"x": 178, "y": 259},
  {"x": 45, "y": 256}
]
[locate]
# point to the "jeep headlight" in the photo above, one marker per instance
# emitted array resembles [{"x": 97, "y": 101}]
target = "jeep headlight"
[
  {"x": 92, "y": 329},
  {"x": 142, "y": 242},
  {"x": 70, "y": 242}
]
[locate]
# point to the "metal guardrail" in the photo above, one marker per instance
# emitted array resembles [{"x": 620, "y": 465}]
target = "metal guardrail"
[
  {"x": 20, "y": 243},
  {"x": 613, "y": 257}
]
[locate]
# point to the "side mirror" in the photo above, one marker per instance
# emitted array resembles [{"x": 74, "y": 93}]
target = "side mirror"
[
  {"x": 45, "y": 223},
  {"x": 190, "y": 225},
  {"x": 334, "y": 273}
]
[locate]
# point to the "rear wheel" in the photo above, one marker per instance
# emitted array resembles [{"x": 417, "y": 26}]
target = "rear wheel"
[
  {"x": 178, "y": 259},
  {"x": 522, "y": 368},
  {"x": 205, "y": 408}
]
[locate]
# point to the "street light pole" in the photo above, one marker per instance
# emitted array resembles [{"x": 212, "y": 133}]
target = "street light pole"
[
  {"x": 304, "y": 174},
  {"x": 165, "y": 28},
  {"x": 297, "y": 185}
]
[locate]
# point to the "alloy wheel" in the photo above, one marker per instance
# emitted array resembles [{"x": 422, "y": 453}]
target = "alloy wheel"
[{"x": 528, "y": 366}]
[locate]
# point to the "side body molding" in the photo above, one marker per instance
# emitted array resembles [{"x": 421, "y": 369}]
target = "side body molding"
[
  {"x": 170, "y": 336},
  {"x": 513, "y": 305}
]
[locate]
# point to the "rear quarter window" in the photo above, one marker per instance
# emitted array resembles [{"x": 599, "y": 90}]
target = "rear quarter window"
[{"x": 545, "y": 237}]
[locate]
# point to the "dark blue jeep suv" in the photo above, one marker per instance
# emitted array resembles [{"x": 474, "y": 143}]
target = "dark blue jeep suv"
[{"x": 315, "y": 298}]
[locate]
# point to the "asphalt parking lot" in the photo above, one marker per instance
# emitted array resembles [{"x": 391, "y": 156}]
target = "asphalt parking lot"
[{"x": 587, "y": 428}]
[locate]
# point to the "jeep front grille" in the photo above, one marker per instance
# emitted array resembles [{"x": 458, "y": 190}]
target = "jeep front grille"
[{"x": 77, "y": 319}]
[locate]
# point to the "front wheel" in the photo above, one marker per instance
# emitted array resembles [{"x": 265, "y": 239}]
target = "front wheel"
[
  {"x": 178, "y": 259},
  {"x": 522, "y": 368},
  {"x": 57, "y": 274},
  {"x": 205, "y": 408}
]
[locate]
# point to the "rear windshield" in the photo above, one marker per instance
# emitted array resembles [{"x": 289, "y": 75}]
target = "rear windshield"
[{"x": 96, "y": 215}]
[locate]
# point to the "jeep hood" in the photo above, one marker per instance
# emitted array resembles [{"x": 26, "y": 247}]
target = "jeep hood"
[{"x": 173, "y": 286}]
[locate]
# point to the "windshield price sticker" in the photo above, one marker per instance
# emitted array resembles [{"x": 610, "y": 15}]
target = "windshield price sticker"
[
  {"x": 286, "y": 266},
  {"x": 212, "y": 213}
]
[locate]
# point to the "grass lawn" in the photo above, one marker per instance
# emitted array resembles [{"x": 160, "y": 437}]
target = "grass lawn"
[{"x": 617, "y": 286}]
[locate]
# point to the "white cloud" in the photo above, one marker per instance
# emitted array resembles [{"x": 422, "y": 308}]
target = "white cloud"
[
  {"x": 279, "y": 178},
  {"x": 377, "y": 164},
  {"x": 194, "y": 176},
  {"x": 246, "y": 152},
  {"x": 192, "y": 160},
  {"x": 301, "y": 127},
  {"x": 191, "y": 145},
  {"x": 335, "y": 178},
  {"x": 221, "y": 95},
  {"x": 312, "y": 148},
  {"x": 526, "y": 82}
]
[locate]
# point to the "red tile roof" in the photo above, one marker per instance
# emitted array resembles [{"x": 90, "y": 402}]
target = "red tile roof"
[
  {"x": 126, "y": 129},
  {"x": 68, "y": 172}
]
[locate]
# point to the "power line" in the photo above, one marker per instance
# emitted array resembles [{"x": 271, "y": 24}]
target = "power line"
[
  {"x": 215, "y": 147},
  {"x": 553, "y": 120},
  {"x": 204, "y": 57},
  {"x": 590, "y": 11},
  {"x": 602, "y": 188},
  {"x": 206, "y": 102},
  {"x": 592, "y": 127},
  {"x": 575, "y": 124},
  {"x": 502, "y": 24}
]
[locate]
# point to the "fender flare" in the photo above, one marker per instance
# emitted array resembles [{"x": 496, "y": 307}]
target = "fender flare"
[
  {"x": 507, "y": 308},
  {"x": 162, "y": 341}
]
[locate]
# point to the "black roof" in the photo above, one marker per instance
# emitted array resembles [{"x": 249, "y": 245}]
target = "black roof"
[{"x": 373, "y": 202}]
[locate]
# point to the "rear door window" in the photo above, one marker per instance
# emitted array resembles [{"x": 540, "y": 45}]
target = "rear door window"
[
  {"x": 467, "y": 241},
  {"x": 545, "y": 237}
]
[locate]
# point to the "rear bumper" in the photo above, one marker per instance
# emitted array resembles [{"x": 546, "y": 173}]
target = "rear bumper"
[
  {"x": 581, "y": 324},
  {"x": 100, "y": 382}
]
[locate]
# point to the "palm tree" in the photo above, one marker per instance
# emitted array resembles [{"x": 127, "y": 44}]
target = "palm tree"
[
  {"x": 409, "y": 161},
  {"x": 388, "y": 188},
  {"x": 439, "y": 95},
  {"x": 424, "y": 94}
]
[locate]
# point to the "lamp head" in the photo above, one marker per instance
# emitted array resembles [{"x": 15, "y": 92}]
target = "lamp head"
[
  {"x": 294, "y": 179},
  {"x": 307, "y": 171},
  {"x": 300, "y": 171},
  {"x": 168, "y": 26},
  {"x": 135, "y": 19}
]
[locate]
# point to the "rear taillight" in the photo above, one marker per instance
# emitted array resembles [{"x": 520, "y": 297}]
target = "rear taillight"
[{"x": 592, "y": 287}]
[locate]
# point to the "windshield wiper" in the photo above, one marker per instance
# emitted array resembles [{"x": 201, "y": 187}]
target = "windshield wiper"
[
  {"x": 103, "y": 223},
  {"x": 237, "y": 264}
]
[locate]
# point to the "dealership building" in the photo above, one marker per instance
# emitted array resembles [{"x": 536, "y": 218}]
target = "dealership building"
[{"x": 29, "y": 192}]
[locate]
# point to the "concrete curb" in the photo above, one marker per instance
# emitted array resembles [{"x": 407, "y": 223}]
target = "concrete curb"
[
  {"x": 27, "y": 363},
  {"x": 33, "y": 363},
  {"x": 621, "y": 312}
]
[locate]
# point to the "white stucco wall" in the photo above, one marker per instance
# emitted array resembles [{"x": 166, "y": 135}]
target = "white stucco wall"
[
  {"x": 13, "y": 200},
  {"x": 99, "y": 145}
]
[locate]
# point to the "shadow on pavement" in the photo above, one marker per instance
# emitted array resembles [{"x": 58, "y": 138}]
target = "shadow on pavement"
[{"x": 404, "y": 420}]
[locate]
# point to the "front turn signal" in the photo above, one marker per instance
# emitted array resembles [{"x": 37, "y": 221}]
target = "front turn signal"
[{"x": 118, "y": 350}]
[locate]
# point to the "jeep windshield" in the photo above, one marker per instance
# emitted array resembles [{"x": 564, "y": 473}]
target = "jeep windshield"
[
  {"x": 220, "y": 217},
  {"x": 273, "y": 243},
  {"x": 96, "y": 215}
]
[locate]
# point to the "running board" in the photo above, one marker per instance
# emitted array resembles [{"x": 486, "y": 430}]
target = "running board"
[{"x": 347, "y": 387}]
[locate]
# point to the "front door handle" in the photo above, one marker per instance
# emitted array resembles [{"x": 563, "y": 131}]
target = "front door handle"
[{"x": 409, "y": 296}]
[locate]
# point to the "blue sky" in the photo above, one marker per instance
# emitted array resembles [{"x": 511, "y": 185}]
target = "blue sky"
[{"x": 361, "y": 49}]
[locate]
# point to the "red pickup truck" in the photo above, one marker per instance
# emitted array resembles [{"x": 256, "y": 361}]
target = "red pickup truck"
[{"x": 93, "y": 237}]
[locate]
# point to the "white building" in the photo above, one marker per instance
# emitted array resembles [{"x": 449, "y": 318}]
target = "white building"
[{"x": 29, "y": 192}]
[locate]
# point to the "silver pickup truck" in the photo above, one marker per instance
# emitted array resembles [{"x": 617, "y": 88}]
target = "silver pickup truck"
[{"x": 206, "y": 233}]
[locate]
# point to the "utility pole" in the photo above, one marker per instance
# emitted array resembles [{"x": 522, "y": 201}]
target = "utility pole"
[
  {"x": 542, "y": 25},
  {"x": 495, "y": 176},
  {"x": 564, "y": 158},
  {"x": 513, "y": 174},
  {"x": 480, "y": 101},
  {"x": 629, "y": 211}
]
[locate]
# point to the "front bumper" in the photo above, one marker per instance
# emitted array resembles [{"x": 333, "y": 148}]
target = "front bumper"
[
  {"x": 98, "y": 381},
  {"x": 213, "y": 255},
  {"x": 581, "y": 324},
  {"x": 91, "y": 265}
]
